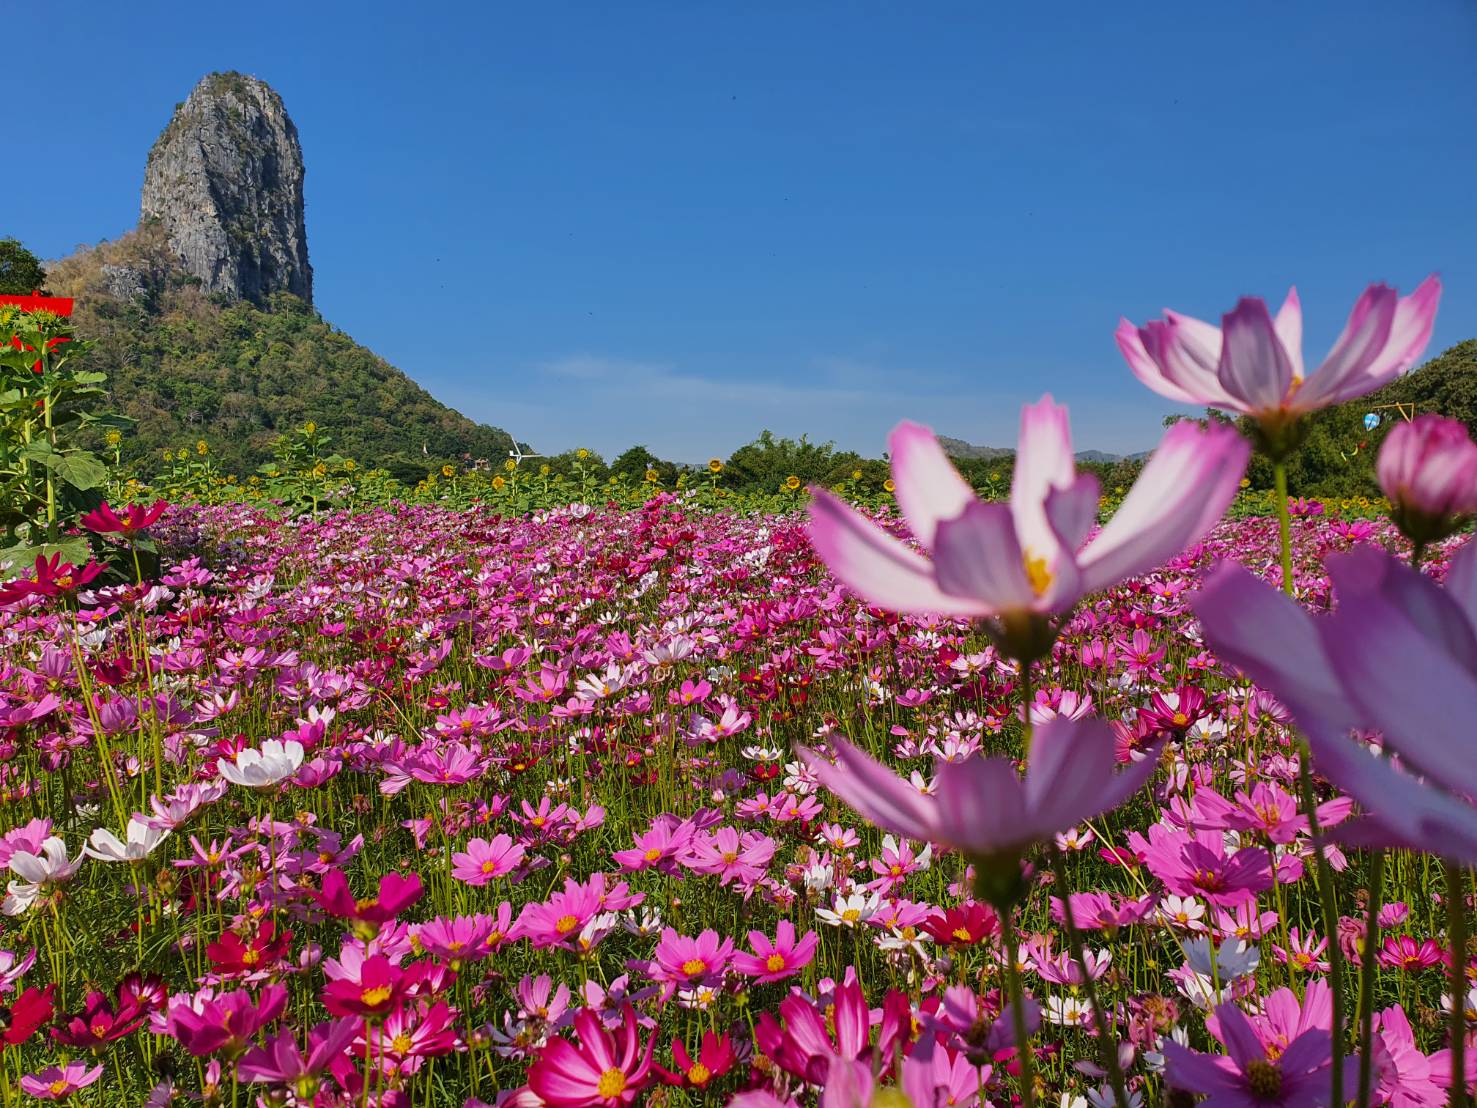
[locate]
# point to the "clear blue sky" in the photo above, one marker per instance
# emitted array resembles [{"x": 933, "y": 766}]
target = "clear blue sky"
[{"x": 680, "y": 223}]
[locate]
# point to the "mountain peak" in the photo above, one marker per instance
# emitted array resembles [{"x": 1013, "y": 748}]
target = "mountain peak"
[{"x": 225, "y": 180}]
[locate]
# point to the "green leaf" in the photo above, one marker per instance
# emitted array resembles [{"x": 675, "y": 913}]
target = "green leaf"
[{"x": 81, "y": 471}]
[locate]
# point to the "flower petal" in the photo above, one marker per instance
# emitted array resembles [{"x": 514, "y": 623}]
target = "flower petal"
[
  {"x": 1254, "y": 364},
  {"x": 978, "y": 560},
  {"x": 875, "y": 792},
  {"x": 876, "y": 566},
  {"x": 928, "y": 487},
  {"x": 1265, "y": 633},
  {"x": 1184, "y": 489},
  {"x": 1355, "y": 353}
]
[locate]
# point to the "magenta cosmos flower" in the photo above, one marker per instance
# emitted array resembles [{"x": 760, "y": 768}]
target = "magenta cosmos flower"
[
  {"x": 981, "y": 806},
  {"x": 1399, "y": 656},
  {"x": 1253, "y": 363},
  {"x": 1428, "y": 470},
  {"x": 1025, "y": 557},
  {"x": 605, "y": 1069},
  {"x": 777, "y": 959}
]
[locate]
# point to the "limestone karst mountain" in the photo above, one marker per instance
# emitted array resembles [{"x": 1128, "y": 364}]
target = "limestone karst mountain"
[
  {"x": 225, "y": 180},
  {"x": 202, "y": 316}
]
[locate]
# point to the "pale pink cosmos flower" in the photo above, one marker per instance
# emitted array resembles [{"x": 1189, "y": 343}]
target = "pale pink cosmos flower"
[
  {"x": 1026, "y": 557},
  {"x": 1398, "y": 655},
  {"x": 1427, "y": 469},
  {"x": 1253, "y": 363}
]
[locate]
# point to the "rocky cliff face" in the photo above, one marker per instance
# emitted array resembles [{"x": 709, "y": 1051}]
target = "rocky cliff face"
[{"x": 225, "y": 180}]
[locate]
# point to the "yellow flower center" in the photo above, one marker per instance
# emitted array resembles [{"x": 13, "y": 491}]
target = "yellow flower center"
[
  {"x": 694, "y": 966},
  {"x": 699, "y": 1074},
  {"x": 851, "y": 915},
  {"x": 251, "y": 958},
  {"x": 653, "y": 854},
  {"x": 775, "y": 962},
  {"x": 1037, "y": 574},
  {"x": 962, "y": 934},
  {"x": 376, "y": 996},
  {"x": 489, "y": 866},
  {"x": 565, "y": 924},
  {"x": 1180, "y": 719},
  {"x": 1264, "y": 1080},
  {"x": 401, "y": 1043},
  {"x": 612, "y": 1084},
  {"x": 59, "y": 1086},
  {"x": 730, "y": 856}
]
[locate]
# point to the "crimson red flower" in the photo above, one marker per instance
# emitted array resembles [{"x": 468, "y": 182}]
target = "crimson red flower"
[
  {"x": 54, "y": 577},
  {"x": 378, "y": 992},
  {"x": 964, "y": 925},
  {"x": 101, "y": 1022},
  {"x": 395, "y": 893},
  {"x": 21, "y": 1020},
  {"x": 234, "y": 955},
  {"x": 715, "y": 1057},
  {"x": 103, "y": 520},
  {"x": 57, "y": 305}
]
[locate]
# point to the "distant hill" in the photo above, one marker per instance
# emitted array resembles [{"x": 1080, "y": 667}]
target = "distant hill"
[
  {"x": 958, "y": 448},
  {"x": 188, "y": 365}
]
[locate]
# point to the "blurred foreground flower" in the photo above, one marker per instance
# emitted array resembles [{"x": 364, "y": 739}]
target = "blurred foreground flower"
[
  {"x": 1026, "y": 560},
  {"x": 1253, "y": 363}
]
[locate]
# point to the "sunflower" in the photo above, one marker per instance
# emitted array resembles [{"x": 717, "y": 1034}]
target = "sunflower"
[
  {"x": 792, "y": 482},
  {"x": 715, "y": 465},
  {"x": 888, "y": 485},
  {"x": 448, "y": 470},
  {"x": 653, "y": 476},
  {"x": 582, "y": 453},
  {"x": 498, "y": 482}
]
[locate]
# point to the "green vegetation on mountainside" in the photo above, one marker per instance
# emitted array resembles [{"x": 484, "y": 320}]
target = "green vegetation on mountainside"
[{"x": 190, "y": 367}]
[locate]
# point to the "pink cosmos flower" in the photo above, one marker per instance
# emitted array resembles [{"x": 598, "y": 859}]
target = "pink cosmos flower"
[
  {"x": 281, "y": 1062},
  {"x": 1253, "y": 364},
  {"x": 1402, "y": 952},
  {"x": 396, "y": 893},
  {"x": 1252, "y": 1074},
  {"x": 60, "y": 1082},
  {"x": 1428, "y": 470},
  {"x": 773, "y": 961},
  {"x": 1195, "y": 863},
  {"x": 733, "y": 857},
  {"x": 1398, "y": 655},
  {"x": 379, "y": 989},
  {"x": 485, "y": 861},
  {"x": 686, "y": 962},
  {"x": 1027, "y": 557},
  {"x": 227, "y": 1022},
  {"x": 603, "y": 1071},
  {"x": 813, "y": 1035},
  {"x": 981, "y": 806}
]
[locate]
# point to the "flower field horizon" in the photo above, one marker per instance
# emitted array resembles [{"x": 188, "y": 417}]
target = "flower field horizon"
[{"x": 566, "y": 744}]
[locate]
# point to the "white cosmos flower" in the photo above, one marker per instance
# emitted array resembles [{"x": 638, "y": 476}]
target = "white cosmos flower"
[
  {"x": 142, "y": 839},
  {"x": 51, "y": 866},
  {"x": 256, "y": 769}
]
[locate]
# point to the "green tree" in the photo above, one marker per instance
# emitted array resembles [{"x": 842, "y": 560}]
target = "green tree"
[{"x": 21, "y": 271}]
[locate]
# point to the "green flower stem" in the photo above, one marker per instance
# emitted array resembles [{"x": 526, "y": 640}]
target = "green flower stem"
[
  {"x": 1368, "y": 972},
  {"x": 1106, "y": 1041},
  {"x": 1456, "y": 936}
]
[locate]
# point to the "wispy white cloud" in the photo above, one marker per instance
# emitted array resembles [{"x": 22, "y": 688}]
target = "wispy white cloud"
[{"x": 609, "y": 403}]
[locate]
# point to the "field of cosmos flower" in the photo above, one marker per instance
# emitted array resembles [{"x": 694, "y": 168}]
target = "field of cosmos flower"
[{"x": 965, "y": 803}]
